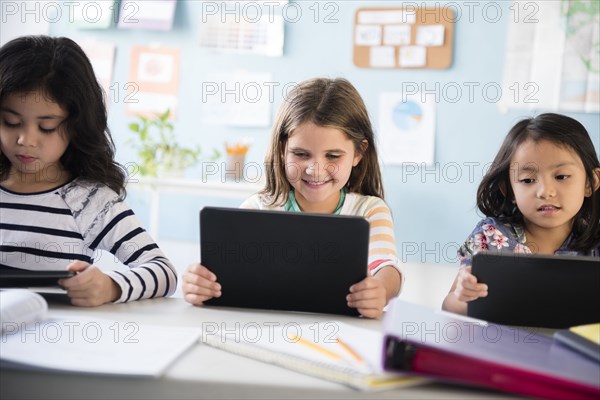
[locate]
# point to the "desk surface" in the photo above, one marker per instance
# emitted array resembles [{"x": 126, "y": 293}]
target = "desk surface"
[{"x": 206, "y": 372}]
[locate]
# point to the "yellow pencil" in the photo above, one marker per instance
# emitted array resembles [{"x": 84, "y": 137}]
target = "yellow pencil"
[
  {"x": 350, "y": 351},
  {"x": 315, "y": 347}
]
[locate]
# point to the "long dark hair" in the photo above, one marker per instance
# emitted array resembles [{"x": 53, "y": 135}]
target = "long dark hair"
[
  {"x": 495, "y": 195},
  {"x": 60, "y": 70},
  {"x": 332, "y": 103}
]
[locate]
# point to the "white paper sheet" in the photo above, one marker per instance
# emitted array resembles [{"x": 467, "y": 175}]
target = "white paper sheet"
[{"x": 97, "y": 346}]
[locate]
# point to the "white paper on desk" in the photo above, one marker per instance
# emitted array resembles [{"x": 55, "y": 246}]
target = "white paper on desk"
[
  {"x": 19, "y": 306},
  {"x": 96, "y": 346}
]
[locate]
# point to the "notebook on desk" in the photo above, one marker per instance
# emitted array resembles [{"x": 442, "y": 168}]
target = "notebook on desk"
[
  {"x": 422, "y": 341},
  {"x": 330, "y": 350},
  {"x": 537, "y": 290},
  {"x": 282, "y": 260}
]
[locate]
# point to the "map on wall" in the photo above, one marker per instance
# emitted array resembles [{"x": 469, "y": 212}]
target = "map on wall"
[{"x": 553, "y": 56}]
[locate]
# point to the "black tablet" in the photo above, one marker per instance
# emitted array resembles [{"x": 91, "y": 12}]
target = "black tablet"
[
  {"x": 19, "y": 278},
  {"x": 283, "y": 260},
  {"x": 537, "y": 290}
]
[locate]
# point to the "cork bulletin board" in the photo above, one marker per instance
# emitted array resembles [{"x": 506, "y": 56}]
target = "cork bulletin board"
[{"x": 403, "y": 38}]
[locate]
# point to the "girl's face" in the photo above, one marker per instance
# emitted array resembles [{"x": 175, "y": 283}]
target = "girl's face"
[
  {"x": 32, "y": 138},
  {"x": 549, "y": 184},
  {"x": 318, "y": 162}
]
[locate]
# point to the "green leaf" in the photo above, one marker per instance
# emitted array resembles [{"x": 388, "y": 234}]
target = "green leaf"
[{"x": 156, "y": 144}]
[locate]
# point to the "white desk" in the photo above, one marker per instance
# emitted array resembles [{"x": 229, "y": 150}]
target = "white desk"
[{"x": 205, "y": 372}]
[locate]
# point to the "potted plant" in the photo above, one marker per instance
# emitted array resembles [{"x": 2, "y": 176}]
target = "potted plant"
[{"x": 158, "y": 151}]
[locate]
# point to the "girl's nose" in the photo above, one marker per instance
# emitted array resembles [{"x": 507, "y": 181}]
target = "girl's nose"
[
  {"x": 320, "y": 169},
  {"x": 311, "y": 167},
  {"x": 546, "y": 189},
  {"x": 27, "y": 137}
]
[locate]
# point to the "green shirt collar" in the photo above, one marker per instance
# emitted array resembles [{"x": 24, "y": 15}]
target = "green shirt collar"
[{"x": 292, "y": 204}]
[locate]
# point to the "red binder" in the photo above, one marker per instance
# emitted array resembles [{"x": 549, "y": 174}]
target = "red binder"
[{"x": 425, "y": 342}]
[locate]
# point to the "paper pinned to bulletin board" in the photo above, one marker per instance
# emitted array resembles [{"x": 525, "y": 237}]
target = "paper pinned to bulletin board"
[
  {"x": 154, "y": 71},
  {"x": 413, "y": 37}
]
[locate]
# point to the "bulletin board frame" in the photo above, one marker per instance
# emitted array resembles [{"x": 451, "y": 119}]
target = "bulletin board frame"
[{"x": 437, "y": 57}]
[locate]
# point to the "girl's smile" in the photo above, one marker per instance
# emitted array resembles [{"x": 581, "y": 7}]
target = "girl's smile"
[{"x": 315, "y": 185}]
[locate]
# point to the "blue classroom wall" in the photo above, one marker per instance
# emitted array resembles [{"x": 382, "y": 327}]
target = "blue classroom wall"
[{"x": 433, "y": 206}]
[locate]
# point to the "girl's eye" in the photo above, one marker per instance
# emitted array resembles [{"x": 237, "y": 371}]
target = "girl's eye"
[
  {"x": 561, "y": 177},
  {"x": 527, "y": 180},
  {"x": 300, "y": 155},
  {"x": 47, "y": 130},
  {"x": 9, "y": 124},
  {"x": 333, "y": 156}
]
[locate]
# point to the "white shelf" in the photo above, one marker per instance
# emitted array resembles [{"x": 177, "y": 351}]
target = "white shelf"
[{"x": 226, "y": 189}]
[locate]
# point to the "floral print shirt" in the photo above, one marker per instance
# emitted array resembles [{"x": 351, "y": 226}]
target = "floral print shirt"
[{"x": 492, "y": 235}]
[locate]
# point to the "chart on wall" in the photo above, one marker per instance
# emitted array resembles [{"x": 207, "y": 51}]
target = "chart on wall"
[
  {"x": 553, "y": 56},
  {"x": 260, "y": 32},
  {"x": 406, "y": 128}
]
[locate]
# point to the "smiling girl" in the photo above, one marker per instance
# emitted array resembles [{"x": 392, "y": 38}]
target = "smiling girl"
[{"x": 323, "y": 159}]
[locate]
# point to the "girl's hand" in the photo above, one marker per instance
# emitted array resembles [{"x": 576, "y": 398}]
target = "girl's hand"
[
  {"x": 199, "y": 284},
  {"x": 90, "y": 287},
  {"x": 467, "y": 288},
  {"x": 368, "y": 296}
]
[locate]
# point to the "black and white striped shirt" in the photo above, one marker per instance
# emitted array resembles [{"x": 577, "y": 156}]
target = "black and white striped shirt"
[{"x": 49, "y": 230}]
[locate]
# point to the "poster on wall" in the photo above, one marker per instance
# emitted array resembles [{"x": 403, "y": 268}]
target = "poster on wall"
[
  {"x": 102, "y": 58},
  {"x": 226, "y": 35},
  {"x": 406, "y": 129},
  {"x": 155, "y": 15},
  {"x": 239, "y": 98},
  {"x": 154, "y": 72},
  {"x": 553, "y": 57},
  {"x": 94, "y": 14}
]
